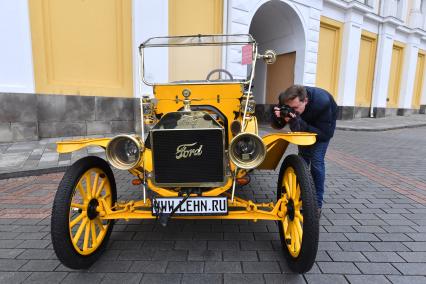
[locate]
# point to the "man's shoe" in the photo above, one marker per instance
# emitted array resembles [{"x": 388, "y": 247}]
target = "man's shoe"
[{"x": 319, "y": 213}]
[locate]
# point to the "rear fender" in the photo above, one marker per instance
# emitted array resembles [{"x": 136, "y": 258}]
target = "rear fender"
[{"x": 276, "y": 144}]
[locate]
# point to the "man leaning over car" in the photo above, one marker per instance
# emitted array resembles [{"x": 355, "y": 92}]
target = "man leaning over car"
[{"x": 312, "y": 110}]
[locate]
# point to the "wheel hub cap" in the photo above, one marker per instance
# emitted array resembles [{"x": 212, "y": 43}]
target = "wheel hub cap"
[
  {"x": 91, "y": 209},
  {"x": 290, "y": 209}
]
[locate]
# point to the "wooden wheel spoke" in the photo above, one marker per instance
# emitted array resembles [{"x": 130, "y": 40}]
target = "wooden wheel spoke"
[
  {"x": 81, "y": 190},
  {"x": 87, "y": 175},
  {"x": 100, "y": 225},
  {"x": 77, "y": 219},
  {"x": 99, "y": 190},
  {"x": 299, "y": 229},
  {"x": 93, "y": 230},
  {"x": 86, "y": 235},
  {"x": 294, "y": 183},
  {"x": 293, "y": 237},
  {"x": 298, "y": 215},
  {"x": 78, "y": 205},
  {"x": 80, "y": 230},
  {"x": 287, "y": 188},
  {"x": 95, "y": 184},
  {"x": 297, "y": 195}
]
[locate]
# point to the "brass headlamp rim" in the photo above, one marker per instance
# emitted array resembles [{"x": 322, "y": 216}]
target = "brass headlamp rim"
[
  {"x": 112, "y": 158},
  {"x": 252, "y": 164}
]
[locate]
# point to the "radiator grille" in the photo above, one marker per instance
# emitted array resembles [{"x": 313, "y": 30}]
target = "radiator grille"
[{"x": 189, "y": 157}]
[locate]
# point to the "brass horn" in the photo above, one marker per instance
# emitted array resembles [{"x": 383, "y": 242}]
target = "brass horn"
[
  {"x": 247, "y": 150},
  {"x": 124, "y": 152}
]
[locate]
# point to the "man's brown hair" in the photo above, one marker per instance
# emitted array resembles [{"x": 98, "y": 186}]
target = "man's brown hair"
[{"x": 291, "y": 93}]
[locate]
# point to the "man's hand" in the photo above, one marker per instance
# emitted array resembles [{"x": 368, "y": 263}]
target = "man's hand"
[{"x": 287, "y": 118}]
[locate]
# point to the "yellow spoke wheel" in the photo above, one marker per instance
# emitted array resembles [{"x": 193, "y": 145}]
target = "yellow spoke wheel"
[
  {"x": 299, "y": 227},
  {"x": 79, "y": 234}
]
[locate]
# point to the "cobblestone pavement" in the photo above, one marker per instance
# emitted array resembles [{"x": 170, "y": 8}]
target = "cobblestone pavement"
[{"x": 373, "y": 228}]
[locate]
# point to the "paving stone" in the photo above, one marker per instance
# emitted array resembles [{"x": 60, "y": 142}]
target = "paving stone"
[
  {"x": 238, "y": 255},
  {"x": 171, "y": 255},
  {"x": 148, "y": 266},
  {"x": 13, "y": 277},
  {"x": 361, "y": 237},
  {"x": 362, "y": 279},
  {"x": 122, "y": 278},
  {"x": 185, "y": 267},
  {"x": 413, "y": 256},
  {"x": 243, "y": 279},
  {"x": 356, "y": 246},
  {"x": 261, "y": 267},
  {"x": 325, "y": 278},
  {"x": 46, "y": 277},
  {"x": 161, "y": 278},
  {"x": 83, "y": 277},
  {"x": 346, "y": 256},
  {"x": 34, "y": 244},
  {"x": 191, "y": 245},
  {"x": 415, "y": 246},
  {"x": 411, "y": 268},
  {"x": 223, "y": 267},
  {"x": 40, "y": 265},
  {"x": 111, "y": 266},
  {"x": 377, "y": 268},
  {"x": 338, "y": 268},
  {"x": 207, "y": 255},
  {"x": 256, "y": 245},
  {"x": 201, "y": 278},
  {"x": 389, "y": 246},
  {"x": 397, "y": 279},
  {"x": 385, "y": 256},
  {"x": 10, "y": 253},
  {"x": 11, "y": 264},
  {"x": 223, "y": 245}
]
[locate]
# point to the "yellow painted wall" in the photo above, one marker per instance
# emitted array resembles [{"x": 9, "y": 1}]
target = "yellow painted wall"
[
  {"x": 395, "y": 75},
  {"x": 366, "y": 64},
  {"x": 418, "y": 81},
  {"x": 82, "y": 47},
  {"x": 329, "y": 48},
  {"x": 191, "y": 17}
]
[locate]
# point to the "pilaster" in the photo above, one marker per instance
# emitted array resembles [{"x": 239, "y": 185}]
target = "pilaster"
[{"x": 349, "y": 58}]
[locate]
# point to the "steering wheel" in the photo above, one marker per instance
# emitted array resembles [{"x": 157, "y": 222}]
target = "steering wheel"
[{"x": 219, "y": 71}]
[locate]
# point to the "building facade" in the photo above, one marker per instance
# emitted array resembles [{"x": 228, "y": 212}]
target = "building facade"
[{"x": 71, "y": 67}]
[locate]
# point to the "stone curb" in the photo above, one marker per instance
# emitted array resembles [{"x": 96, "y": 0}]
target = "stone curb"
[
  {"x": 35, "y": 172},
  {"x": 371, "y": 129}
]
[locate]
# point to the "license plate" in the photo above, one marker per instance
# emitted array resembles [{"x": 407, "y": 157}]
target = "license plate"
[{"x": 192, "y": 206}]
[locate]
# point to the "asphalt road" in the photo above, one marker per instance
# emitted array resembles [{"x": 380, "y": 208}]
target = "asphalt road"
[{"x": 373, "y": 228}]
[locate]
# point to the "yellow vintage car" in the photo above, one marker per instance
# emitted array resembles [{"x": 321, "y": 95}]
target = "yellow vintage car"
[{"x": 199, "y": 141}]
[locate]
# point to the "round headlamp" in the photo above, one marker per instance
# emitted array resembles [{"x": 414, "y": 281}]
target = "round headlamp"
[
  {"x": 124, "y": 152},
  {"x": 247, "y": 151}
]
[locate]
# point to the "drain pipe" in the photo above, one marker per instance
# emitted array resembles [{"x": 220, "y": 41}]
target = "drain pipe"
[{"x": 376, "y": 64}]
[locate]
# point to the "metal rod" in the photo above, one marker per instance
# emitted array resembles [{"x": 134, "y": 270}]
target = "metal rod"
[
  {"x": 233, "y": 184},
  {"x": 250, "y": 85}
]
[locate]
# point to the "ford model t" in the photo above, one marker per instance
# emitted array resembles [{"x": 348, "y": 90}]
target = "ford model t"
[{"x": 198, "y": 143}]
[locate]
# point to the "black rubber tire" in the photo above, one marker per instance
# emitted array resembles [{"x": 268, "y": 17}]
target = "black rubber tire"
[
  {"x": 61, "y": 240},
  {"x": 306, "y": 258}
]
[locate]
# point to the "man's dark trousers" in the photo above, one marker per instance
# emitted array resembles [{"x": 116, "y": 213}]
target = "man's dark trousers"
[{"x": 314, "y": 156}]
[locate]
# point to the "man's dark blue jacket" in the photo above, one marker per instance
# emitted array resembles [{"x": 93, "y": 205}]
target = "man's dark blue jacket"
[{"x": 319, "y": 116}]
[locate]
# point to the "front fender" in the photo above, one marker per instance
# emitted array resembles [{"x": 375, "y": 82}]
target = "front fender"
[
  {"x": 74, "y": 145},
  {"x": 276, "y": 144}
]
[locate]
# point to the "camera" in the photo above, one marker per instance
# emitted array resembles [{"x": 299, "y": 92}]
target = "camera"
[{"x": 286, "y": 110}]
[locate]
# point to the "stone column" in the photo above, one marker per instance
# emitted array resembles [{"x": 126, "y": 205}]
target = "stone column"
[
  {"x": 349, "y": 62},
  {"x": 382, "y": 69},
  {"x": 408, "y": 73}
]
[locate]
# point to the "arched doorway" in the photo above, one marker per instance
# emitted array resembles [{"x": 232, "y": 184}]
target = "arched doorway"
[{"x": 277, "y": 26}]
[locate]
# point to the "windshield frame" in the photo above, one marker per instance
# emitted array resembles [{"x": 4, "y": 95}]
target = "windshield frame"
[{"x": 150, "y": 43}]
